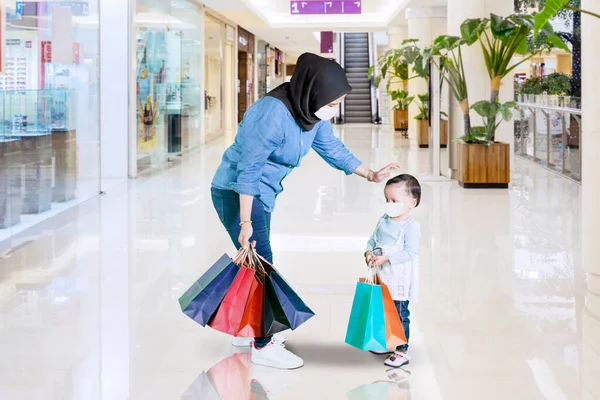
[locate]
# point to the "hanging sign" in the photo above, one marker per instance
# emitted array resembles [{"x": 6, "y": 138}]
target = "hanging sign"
[{"x": 313, "y": 7}]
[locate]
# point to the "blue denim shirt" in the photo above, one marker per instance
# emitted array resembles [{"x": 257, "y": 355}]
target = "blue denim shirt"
[{"x": 269, "y": 145}]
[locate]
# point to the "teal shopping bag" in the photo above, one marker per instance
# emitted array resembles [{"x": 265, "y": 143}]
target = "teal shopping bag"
[
  {"x": 366, "y": 328},
  {"x": 376, "y": 391}
]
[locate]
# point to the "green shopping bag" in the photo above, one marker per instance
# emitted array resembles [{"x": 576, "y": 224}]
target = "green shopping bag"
[{"x": 366, "y": 328}]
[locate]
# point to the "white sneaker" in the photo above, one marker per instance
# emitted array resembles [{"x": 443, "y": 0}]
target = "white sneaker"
[
  {"x": 247, "y": 341},
  {"x": 382, "y": 352},
  {"x": 275, "y": 355},
  {"x": 397, "y": 360}
]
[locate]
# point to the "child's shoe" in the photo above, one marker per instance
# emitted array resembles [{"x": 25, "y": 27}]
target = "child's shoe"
[{"x": 397, "y": 360}]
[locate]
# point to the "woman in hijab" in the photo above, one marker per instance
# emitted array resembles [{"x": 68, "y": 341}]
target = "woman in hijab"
[{"x": 274, "y": 136}]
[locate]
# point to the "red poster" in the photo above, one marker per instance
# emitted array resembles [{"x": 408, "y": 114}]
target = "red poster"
[{"x": 46, "y": 57}]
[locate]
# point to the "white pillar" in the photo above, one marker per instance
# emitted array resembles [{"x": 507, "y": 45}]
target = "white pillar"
[
  {"x": 116, "y": 46},
  {"x": 396, "y": 35},
  {"x": 478, "y": 80},
  {"x": 424, "y": 24},
  {"x": 590, "y": 145},
  {"x": 117, "y": 219}
]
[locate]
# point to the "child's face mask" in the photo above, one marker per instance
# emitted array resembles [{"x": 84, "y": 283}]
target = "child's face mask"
[{"x": 394, "y": 210}]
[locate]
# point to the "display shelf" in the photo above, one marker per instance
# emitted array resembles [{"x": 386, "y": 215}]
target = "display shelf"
[{"x": 11, "y": 198}]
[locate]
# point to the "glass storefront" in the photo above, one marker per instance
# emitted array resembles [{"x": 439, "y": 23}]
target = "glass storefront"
[
  {"x": 49, "y": 111},
  {"x": 219, "y": 77},
  {"x": 169, "y": 87},
  {"x": 246, "y": 65}
]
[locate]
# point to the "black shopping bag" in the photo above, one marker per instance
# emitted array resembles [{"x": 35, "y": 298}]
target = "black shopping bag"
[
  {"x": 274, "y": 319},
  {"x": 296, "y": 311}
]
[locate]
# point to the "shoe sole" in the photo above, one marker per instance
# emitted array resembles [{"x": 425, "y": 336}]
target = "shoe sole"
[
  {"x": 381, "y": 354},
  {"x": 395, "y": 366},
  {"x": 276, "y": 367}
]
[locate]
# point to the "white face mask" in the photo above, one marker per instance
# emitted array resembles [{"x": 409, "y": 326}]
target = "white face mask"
[
  {"x": 326, "y": 113},
  {"x": 394, "y": 210}
]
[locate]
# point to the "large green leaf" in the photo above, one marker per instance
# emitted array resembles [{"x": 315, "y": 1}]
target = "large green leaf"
[
  {"x": 478, "y": 131},
  {"x": 471, "y": 29},
  {"x": 486, "y": 109},
  {"x": 506, "y": 110},
  {"x": 371, "y": 70},
  {"x": 502, "y": 28},
  {"x": 553, "y": 39},
  {"x": 551, "y": 8}
]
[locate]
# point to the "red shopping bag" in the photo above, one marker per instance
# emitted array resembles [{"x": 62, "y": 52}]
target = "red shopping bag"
[
  {"x": 231, "y": 377},
  {"x": 252, "y": 317},
  {"x": 229, "y": 315}
]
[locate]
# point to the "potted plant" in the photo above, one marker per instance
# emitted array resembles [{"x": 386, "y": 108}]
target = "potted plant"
[
  {"x": 423, "y": 124},
  {"x": 395, "y": 66},
  {"x": 403, "y": 101},
  {"x": 484, "y": 162}
]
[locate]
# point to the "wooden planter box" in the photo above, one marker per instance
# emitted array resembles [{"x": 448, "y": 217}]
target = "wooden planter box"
[
  {"x": 423, "y": 133},
  {"x": 401, "y": 120},
  {"x": 482, "y": 167}
]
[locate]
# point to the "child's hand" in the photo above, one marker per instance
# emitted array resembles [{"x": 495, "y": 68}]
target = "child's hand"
[
  {"x": 369, "y": 257},
  {"x": 379, "y": 261}
]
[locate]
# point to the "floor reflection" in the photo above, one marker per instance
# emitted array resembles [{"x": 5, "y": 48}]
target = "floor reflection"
[{"x": 236, "y": 378}]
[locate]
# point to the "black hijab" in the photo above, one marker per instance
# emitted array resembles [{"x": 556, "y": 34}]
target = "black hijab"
[{"x": 315, "y": 83}]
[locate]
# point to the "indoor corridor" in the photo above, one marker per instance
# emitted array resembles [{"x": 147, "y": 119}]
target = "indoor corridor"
[{"x": 89, "y": 310}]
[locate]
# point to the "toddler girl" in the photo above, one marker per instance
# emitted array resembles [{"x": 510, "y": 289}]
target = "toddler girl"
[{"x": 393, "y": 248}]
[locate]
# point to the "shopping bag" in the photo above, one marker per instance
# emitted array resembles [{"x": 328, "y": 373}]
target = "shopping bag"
[
  {"x": 231, "y": 377},
  {"x": 204, "y": 280},
  {"x": 201, "y": 389},
  {"x": 378, "y": 391},
  {"x": 294, "y": 308},
  {"x": 202, "y": 299},
  {"x": 366, "y": 327},
  {"x": 252, "y": 317},
  {"x": 228, "y": 317},
  {"x": 274, "y": 319},
  {"x": 394, "y": 331}
]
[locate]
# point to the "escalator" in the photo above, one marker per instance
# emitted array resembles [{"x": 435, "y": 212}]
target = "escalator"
[{"x": 360, "y": 104}]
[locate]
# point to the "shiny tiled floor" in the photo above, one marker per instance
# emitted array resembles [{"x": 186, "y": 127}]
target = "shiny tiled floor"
[{"x": 88, "y": 303}]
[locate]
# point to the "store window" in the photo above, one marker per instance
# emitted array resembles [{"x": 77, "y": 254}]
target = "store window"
[
  {"x": 219, "y": 78},
  {"x": 246, "y": 64},
  {"x": 169, "y": 83},
  {"x": 49, "y": 136}
]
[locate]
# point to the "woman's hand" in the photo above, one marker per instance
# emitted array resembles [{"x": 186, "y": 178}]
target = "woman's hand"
[
  {"x": 385, "y": 172},
  {"x": 245, "y": 235}
]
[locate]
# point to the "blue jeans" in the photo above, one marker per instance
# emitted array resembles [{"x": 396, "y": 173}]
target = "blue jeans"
[
  {"x": 227, "y": 205},
  {"x": 404, "y": 313}
]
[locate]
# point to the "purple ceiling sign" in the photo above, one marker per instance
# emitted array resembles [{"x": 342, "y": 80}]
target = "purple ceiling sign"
[
  {"x": 327, "y": 42},
  {"x": 308, "y": 7}
]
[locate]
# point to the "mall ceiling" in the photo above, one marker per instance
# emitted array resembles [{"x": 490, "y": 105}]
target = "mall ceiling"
[{"x": 272, "y": 21}]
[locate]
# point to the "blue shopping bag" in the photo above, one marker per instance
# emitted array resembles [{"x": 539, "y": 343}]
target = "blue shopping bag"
[
  {"x": 201, "y": 300},
  {"x": 296, "y": 311},
  {"x": 366, "y": 327}
]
